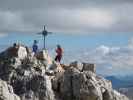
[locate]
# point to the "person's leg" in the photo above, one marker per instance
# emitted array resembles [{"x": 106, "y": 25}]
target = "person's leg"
[
  {"x": 56, "y": 58},
  {"x": 59, "y": 58}
]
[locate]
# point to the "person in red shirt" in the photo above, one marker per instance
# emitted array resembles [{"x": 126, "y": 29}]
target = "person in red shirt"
[{"x": 59, "y": 52}]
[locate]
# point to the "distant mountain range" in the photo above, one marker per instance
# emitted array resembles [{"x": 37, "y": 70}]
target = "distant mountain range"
[{"x": 121, "y": 82}]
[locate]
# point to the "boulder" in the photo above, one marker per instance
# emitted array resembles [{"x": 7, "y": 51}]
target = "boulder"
[
  {"x": 54, "y": 68},
  {"x": 43, "y": 55},
  {"x": 22, "y": 52},
  {"x": 66, "y": 85},
  {"x": 41, "y": 87},
  {"x": 89, "y": 67},
  {"x": 6, "y": 92},
  {"x": 76, "y": 85},
  {"x": 65, "y": 66},
  {"x": 76, "y": 65},
  {"x": 18, "y": 51},
  {"x": 83, "y": 66}
]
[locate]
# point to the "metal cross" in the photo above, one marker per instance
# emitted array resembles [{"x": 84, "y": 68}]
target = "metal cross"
[{"x": 44, "y": 33}]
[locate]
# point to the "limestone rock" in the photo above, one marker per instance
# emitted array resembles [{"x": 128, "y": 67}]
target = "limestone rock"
[
  {"x": 65, "y": 67},
  {"x": 54, "y": 69},
  {"x": 27, "y": 76},
  {"x": 77, "y": 65},
  {"x": 18, "y": 51},
  {"x": 6, "y": 92},
  {"x": 79, "y": 86},
  {"x": 118, "y": 96},
  {"x": 36, "y": 77},
  {"x": 86, "y": 85},
  {"x": 40, "y": 88},
  {"x": 22, "y": 52},
  {"x": 43, "y": 55},
  {"x": 89, "y": 67}
]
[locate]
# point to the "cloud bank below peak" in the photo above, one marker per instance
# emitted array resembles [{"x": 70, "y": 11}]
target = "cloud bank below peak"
[{"x": 109, "y": 60}]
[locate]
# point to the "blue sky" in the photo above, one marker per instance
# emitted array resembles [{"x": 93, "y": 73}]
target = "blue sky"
[{"x": 73, "y": 41}]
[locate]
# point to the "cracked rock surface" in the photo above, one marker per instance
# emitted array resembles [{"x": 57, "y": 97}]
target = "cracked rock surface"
[{"x": 28, "y": 76}]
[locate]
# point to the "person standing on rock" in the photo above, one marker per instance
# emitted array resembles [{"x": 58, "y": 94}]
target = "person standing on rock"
[
  {"x": 59, "y": 52},
  {"x": 35, "y": 47}
]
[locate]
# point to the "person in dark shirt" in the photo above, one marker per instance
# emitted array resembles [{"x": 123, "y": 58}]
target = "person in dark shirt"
[{"x": 35, "y": 47}]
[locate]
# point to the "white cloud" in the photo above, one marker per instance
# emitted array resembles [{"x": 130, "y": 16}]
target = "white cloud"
[
  {"x": 130, "y": 44},
  {"x": 109, "y": 60},
  {"x": 103, "y": 50}
]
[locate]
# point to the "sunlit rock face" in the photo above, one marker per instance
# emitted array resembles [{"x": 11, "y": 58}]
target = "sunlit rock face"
[
  {"x": 6, "y": 92},
  {"x": 36, "y": 77},
  {"x": 83, "y": 84},
  {"x": 26, "y": 73},
  {"x": 43, "y": 55},
  {"x": 15, "y": 51}
]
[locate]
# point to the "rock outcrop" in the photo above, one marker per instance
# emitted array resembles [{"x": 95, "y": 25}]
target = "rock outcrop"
[
  {"x": 84, "y": 85},
  {"x": 6, "y": 92},
  {"x": 26, "y": 74},
  {"x": 37, "y": 77}
]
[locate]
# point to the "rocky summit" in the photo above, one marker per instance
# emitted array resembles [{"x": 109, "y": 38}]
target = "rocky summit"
[{"x": 28, "y": 76}]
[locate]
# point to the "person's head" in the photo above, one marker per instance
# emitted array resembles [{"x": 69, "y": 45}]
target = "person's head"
[
  {"x": 14, "y": 44},
  {"x": 35, "y": 41},
  {"x": 58, "y": 46}
]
